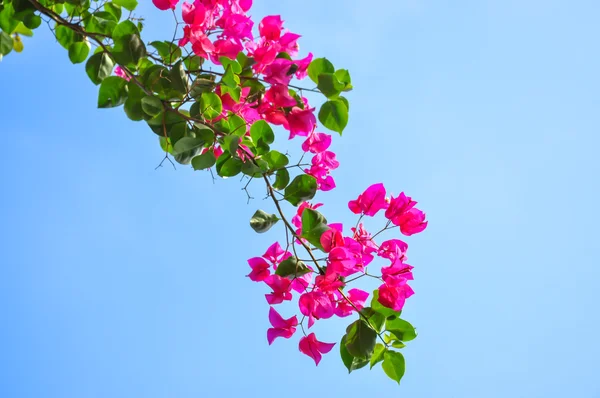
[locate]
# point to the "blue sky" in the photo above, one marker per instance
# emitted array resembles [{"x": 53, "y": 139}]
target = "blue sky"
[{"x": 119, "y": 280}]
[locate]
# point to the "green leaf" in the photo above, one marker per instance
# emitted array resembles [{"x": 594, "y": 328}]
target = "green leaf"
[
  {"x": 313, "y": 226},
  {"x": 204, "y": 161},
  {"x": 302, "y": 188},
  {"x": 402, "y": 329},
  {"x": 378, "y": 353},
  {"x": 133, "y": 104},
  {"x": 112, "y": 93},
  {"x": 6, "y": 43},
  {"x": 261, "y": 130},
  {"x": 210, "y": 105},
  {"x": 228, "y": 166},
  {"x": 192, "y": 62},
  {"x": 179, "y": 79},
  {"x": 360, "y": 339},
  {"x": 291, "y": 267},
  {"x": 334, "y": 115},
  {"x": 377, "y": 306},
  {"x": 65, "y": 36},
  {"x": 393, "y": 365},
  {"x": 235, "y": 66},
  {"x": 376, "y": 319},
  {"x": 100, "y": 22},
  {"x": 23, "y": 30},
  {"x": 318, "y": 66},
  {"x": 128, "y": 4},
  {"x": 230, "y": 79},
  {"x": 152, "y": 105},
  {"x": 168, "y": 51},
  {"x": 79, "y": 51},
  {"x": 262, "y": 221},
  {"x": 114, "y": 10},
  {"x": 344, "y": 77},
  {"x": 349, "y": 361},
  {"x": 282, "y": 179},
  {"x": 128, "y": 50},
  {"x": 8, "y": 22},
  {"x": 237, "y": 125},
  {"x": 125, "y": 28},
  {"x": 276, "y": 160},
  {"x": 329, "y": 85},
  {"x": 99, "y": 67},
  {"x": 32, "y": 21},
  {"x": 186, "y": 144},
  {"x": 234, "y": 92}
]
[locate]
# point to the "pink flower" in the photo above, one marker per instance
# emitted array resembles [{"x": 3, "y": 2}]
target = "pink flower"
[
  {"x": 193, "y": 14},
  {"x": 399, "y": 206},
  {"x": 270, "y": 27},
  {"x": 394, "y": 292},
  {"x": 393, "y": 249},
  {"x": 357, "y": 297},
  {"x": 260, "y": 269},
  {"x": 225, "y": 48},
  {"x": 245, "y": 5},
  {"x": 279, "y": 96},
  {"x": 342, "y": 261},
  {"x": 301, "y": 121},
  {"x": 331, "y": 239},
  {"x": 281, "y": 289},
  {"x": 303, "y": 64},
  {"x": 121, "y": 73},
  {"x": 316, "y": 142},
  {"x": 362, "y": 236},
  {"x": 165, "y": 4},
  {"x": 310, "y": 346},
  {"x": 288, "y": 43},
  {"x": 277, "y": 71},
  {"x": 201, "y": 44},
  {"x": 281, "y": 327},
  {"x": 301, "y": 283},
  {"x": 370, "y": 201},
  {"x": 411, "y": 222},
  {"x": 275, "y": 254},
  {"x": 315, "y": 305},
  {"x": 264, "y": 55},
  {"x": 397, "y": 268}
]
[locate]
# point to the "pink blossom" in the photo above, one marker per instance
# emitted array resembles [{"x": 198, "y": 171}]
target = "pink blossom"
[
  {"x": 362, "y": 236},
  {"x": 393, "y": 249},
  {"x": 201, "y": 44},
  {"x": 301, "y": 283},
  {"x": 303, "y": 65},
  {"x": 270, "y": 27},
  {"x": 331, "y": 239},
  {"x": 394, "y": 292},
  {"x": 225, "y": 48},
  {"x": 316, "y": 142},
  {"x": 236, "y": 26},
  {"x": 357, "y": 297},
  {"x": 264, "y": 55},
  {"x": 326, "y": 159},
  {"x": 281, "y": 289},
  {"x": 165, "y": 4},
  {"x": 245, "y": 5},
  {"x": 315, "y": 305},
  {"x": 275, "y": 254},
  {"x": 399, "y": 206},
  {"x": 342, "y": 261},
  {"x": 193, "y": 14},
  {"x": 397, "y": 268},
  {"x": 277, "y": 71},
  {"x": 370, "y": 201},
  {"x": 301, "y": 121},
  {"x": 411, "y": 222},
  {"x": 281, "y": 327},
  {"x": 260, "y": 269},
  {"x": 310, "y": 346},
  {"x": 279, "y": 96},
  {"x": 121, "y": 73},
  {"x": 288, "y": 43}
]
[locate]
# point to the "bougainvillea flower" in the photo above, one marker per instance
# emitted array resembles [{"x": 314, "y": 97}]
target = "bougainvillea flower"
[
  {"x": 288, "y": 43},
  {"x": 270, "y": 27},
  {"x": 357, "y": 297},
  {"x": 411, "y": 222},
  {"x": 312, "y": 347},
  {"x": 260, "y": 269},
  {"x": 362, "y": 236},
  {"x": 281, "y": 289},
  {"x": 315, "y": 305},
  {"x": 165, "y": 4},
  {"x": 330, "y": 239},
  {"x": 225, "y": 48},
  {"x": 278, "y": 71},
  {"x": 301, "y": 121},
  {"x": 201, "y": 44},
  {"x": 399, "y": 206},
  {"x": 370, "y": 201},
  {"x": 302, "y": 65},
  {"x": 194, "y": 13},
  {"x": 281, "y": 327},
  {"x": 301, "y": 283},
  {"x": 342, "y": 261},
  {"x": 275, "y": 254},
  {"x": 279, "y": 96},
  {"x": 397, "y": 268},
  {"x": 121, "y": 73},
  {"x": 393, "y": 249},
  {"x": 394, "y": 292},
  {"x": 316, "y": 142}
]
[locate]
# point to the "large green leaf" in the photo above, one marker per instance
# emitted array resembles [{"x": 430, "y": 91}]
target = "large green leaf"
[
  {"x": 334, "y": 115},
  {"x": 360, "y": 339},
  {"x": 262, "y": 221},
  {"x": 378, "y": 353},
  {"x": 79, "y": 51},
  {"x": 167, "y": 50},
  {"x": 402, "y": 329},
  {"x": 276, "y": 160},
  {"x": 261, "y": 130},
  {"x": 112, "y": 93},
  {"x": 313, "y": 226},
  {"x": 128, "y": 50},
  {"x": 329, "y": 85},
  {"x": 151, "y": 105},
  {"x": 204, "y": 161},
  {"x": 282, "y": 179},
  {"x": 393, "y": 365},
  {"x": 352, "y": 363},
  {"x": 98, "y": 67},
  {"x": 210, "y": 105},
  {"x": 128, "y": 4},
  {"x": 291, "y": 267},
  {"x": 303, "y": 187},
  {"x": 318, "y": 66}
]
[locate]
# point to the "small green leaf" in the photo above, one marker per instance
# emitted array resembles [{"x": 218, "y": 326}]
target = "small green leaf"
[
  {"x": 129, "y": 49},
  {"x": 179, "y": 79},
  {"x": 349, "y": 361},
  {"x": 112, "y": 93},
  {"x": 234, "y": 92},
  {"x": 204, "y": 161},
  {"x": 235, "y": 66},
  {"x": 99, "y": 67},
  {"x": 237, "y": 125},
  {"x": 378, "y": 353},
  {"x": 152, "y": 105},
  {"x": 329, "y": 85},
  {"x": 32, "y": 21},
  {"x": 79, "y": 51},
  {"x": 282, "y": 179},
  {"x": 186, "y": 144},
  {"x": 344, "y": 77},
  {"x": 230, "y": 79},
  {"x": 128, "y": 4},
  {"x": 360, "y": 339},
  {"x": 261, "y": 130},
  {"x": 276, "y": 160},
  {"x": 376, "y": 319},
  {"x": 313, "y": 226},
  {"x": 114, "y": 10},
  {"x": 302, "y": 188},
  {"x": 210, "y": 105},
  {"x": 167, "y": 50},
  {"x": 125, "y": 28},
  {"x": 402, "y": 329},
  {"x": 393, "y": 365},
  {"x": 133, "y": 104},
  {"x": 6, "y": 43},
  {"x": 334, "y": 115},
  {"x": 262, "y": 221},
  {"x": 65, "y": 36},
  {"x": 291, "y": 267},
  {"x": 228, "y": 166},
  {"x": 318, "y": 66}
]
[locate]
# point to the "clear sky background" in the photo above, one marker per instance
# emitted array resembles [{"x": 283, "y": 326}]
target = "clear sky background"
[{"x": 118, "y": 280}]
